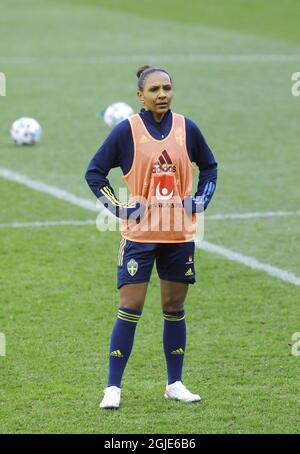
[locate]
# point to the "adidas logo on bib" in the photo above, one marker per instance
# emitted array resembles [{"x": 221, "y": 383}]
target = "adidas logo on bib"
[{"x": 164, "y": 163}]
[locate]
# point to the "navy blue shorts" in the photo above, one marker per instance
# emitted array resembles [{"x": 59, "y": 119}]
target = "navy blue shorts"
[{"x": 174, "y": 262}]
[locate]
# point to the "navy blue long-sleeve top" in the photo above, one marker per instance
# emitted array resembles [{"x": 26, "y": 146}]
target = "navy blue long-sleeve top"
[{"x": 118, "y": 151}]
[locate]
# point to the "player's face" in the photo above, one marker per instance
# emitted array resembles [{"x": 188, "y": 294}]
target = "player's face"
[{"x": 157, "y": 94}]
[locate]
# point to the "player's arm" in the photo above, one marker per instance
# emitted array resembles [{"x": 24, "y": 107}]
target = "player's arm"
[
  {"x": 132, "y": 210},
  {"x": 200, "y": 153},
  {"x": 116, "y": 151}
]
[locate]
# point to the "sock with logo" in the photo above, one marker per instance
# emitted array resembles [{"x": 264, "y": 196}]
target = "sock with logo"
[
  {"x": 121, "y": 343},
  {"x": 174, "y": 340}
]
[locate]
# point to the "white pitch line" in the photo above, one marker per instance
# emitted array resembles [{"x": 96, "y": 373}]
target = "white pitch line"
[
  {"x": 183, "y": 58},
  {"x": 19, "y": 225},
  {"x": 261, "y": 214},
  {"x": 50, "y": 190},
  {"x": 251, "y": 262},
  {"x": 213, "y": 217}
]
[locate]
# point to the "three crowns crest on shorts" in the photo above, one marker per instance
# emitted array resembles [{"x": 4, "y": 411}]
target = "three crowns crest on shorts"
[{"x": 132, "y": 267}]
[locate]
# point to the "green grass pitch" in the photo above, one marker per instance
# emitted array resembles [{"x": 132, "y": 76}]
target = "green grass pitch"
[{"x": 64, "y": 62}]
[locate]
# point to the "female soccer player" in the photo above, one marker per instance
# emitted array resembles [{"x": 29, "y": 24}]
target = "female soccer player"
[{"x": 155, "y": 150}]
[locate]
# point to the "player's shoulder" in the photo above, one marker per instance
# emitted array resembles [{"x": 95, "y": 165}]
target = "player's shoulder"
[
  {"x": 191, "y": 124},
  {"x": 120, "y": 132},
  {"x": 192, "y": 129},
  {"x": 122, "y": 127}
]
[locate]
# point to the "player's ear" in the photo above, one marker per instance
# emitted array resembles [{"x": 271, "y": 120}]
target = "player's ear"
[{"x": 140, "y": 96}]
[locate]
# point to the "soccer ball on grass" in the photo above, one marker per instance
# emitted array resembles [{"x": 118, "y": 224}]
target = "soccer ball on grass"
[{"x": 25, "y": 131}]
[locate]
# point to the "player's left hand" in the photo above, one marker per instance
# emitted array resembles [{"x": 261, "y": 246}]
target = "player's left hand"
[{"x": 193, "y": 204}]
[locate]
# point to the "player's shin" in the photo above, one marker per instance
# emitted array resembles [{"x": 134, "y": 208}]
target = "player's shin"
[
  {"x": 121, "y": 344},
  {"x": 174, "y": 341}
]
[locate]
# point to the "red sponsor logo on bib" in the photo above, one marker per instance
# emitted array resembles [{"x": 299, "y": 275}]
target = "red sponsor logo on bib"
[{"x": 164, "y": 187}]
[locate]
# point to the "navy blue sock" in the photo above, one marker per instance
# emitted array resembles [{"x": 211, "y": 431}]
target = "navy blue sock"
[
  {"x": 121, "y": 343},
  {"x": 174, "y": 340}
]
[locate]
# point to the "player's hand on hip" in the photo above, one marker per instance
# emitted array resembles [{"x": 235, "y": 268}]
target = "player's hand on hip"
[
  {"x": 132, "y": 211},
  {"x": 193, "y": 204}
]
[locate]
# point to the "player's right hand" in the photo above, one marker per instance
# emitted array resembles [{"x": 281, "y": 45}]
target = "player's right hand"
[{"x": 132, "y": 211}]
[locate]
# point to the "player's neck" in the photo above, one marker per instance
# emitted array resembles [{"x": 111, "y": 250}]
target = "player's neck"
[{"x": 158, "y": 117}]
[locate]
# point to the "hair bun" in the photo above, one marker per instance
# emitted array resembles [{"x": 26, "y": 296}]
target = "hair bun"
[{"x": 141, "y": 70}]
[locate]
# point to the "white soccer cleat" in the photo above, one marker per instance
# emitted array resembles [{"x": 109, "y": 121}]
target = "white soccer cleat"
[
  {"x": 112, "y": 397},
  {"x": 178, "y": 391}
]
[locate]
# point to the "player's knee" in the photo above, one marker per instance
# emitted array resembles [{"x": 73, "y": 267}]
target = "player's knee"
[
  {"x": 173, "y": 304},
  {"x": 133, "y": 303}
]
